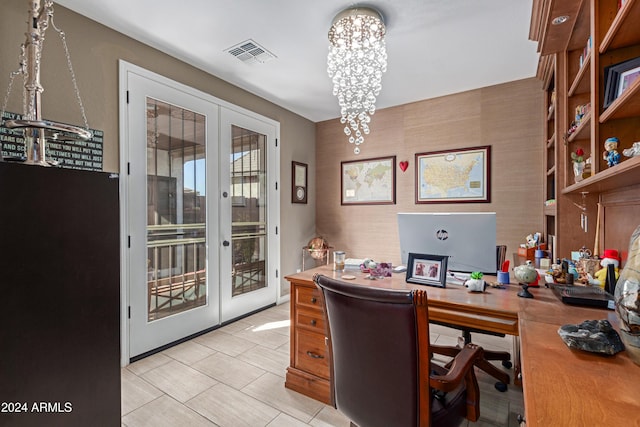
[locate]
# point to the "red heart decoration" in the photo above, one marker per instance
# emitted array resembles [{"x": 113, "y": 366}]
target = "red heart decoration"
[{"x": 404, "y": 165}]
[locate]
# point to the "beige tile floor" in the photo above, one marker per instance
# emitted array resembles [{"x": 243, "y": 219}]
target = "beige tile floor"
[{"x": 234, "y": 376}]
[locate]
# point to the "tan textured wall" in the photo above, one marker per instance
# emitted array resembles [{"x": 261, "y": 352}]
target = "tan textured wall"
[
  {"x": 95, "y": 51},
  {"x": 508, "y": 117}
]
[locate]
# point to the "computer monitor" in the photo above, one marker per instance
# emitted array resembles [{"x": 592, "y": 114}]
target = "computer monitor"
[{"x": 467, "y": 238}]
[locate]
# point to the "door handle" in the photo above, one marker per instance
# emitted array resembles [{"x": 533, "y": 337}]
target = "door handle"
[{"x": 225, "y": 243}]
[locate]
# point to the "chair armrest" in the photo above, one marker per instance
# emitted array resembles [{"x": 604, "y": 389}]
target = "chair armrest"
[
  {"x": 460, "y": 365},
  {"x": 446, "y": 350}
]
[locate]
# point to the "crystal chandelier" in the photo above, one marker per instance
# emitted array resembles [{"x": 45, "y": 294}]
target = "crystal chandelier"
[{"x": 357, "y": 58}]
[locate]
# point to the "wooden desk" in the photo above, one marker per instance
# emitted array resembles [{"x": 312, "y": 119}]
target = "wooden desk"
[
  {"x": 495, "y": 311},
  {"x": 562, "y": 387},
  {"x": 566, "y": 387}
]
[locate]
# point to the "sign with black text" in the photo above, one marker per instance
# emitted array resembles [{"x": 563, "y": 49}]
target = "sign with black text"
[{"x": 74, "y": 154}]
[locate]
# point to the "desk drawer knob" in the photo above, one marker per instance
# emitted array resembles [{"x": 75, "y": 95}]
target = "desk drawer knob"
[
  {"x": 314, "y": 300},
  {"x": 313, "y": 322},
  {"x": 314, "y": 355}
]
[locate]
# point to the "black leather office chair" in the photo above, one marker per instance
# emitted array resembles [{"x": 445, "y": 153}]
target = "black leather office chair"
[
  {"x": 382, "y": 373},
  {"x": 504, "y": 356}
]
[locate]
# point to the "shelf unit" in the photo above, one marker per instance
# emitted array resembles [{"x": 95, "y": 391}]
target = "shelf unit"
[
  {"x": 550, "y": 160},
  {"x": 575, "y": 57}
]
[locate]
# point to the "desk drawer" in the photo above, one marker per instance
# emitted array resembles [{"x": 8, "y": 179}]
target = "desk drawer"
[
  {"x": 310, "y": 319},
  {"x": 308, "y": 297},
  {"x": 312, "y": 355}
]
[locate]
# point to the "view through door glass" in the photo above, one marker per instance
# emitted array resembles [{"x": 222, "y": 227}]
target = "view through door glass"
[
  {"x": 249, "y": 211},
  {"x": 176, "y": 210}
]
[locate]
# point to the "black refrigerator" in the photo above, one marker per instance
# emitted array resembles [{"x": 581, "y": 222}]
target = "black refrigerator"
[{"x": 59, "y": 297}]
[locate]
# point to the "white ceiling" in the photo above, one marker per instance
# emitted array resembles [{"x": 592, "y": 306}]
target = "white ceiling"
[{"x": 435, "y": 47}]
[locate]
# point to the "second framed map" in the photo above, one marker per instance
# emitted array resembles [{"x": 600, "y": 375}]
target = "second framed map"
[
  {"x": 454, "y": 176},
  {"x": 368, "y": 181}
]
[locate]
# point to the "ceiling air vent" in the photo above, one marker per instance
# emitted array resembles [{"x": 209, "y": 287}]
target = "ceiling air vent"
[{"x": 250, "y": 52}]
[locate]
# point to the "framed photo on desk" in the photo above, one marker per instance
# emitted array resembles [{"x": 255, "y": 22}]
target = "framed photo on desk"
[{"x": 424, "y": 269}]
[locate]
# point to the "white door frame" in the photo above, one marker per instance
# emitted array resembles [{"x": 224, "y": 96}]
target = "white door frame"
[{"x": 274, "y": 202}]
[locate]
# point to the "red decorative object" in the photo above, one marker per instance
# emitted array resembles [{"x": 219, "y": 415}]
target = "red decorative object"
[{"x": 404, "y": 165}]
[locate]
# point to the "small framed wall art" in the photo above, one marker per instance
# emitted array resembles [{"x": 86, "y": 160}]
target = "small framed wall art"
[{"x": 298, "y": 182}]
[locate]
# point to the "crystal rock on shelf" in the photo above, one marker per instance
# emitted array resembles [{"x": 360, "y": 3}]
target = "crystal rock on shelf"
[{"x": 597, "y": 336}]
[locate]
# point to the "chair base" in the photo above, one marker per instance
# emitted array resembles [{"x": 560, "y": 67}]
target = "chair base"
[{"x": 503, "y": 378}]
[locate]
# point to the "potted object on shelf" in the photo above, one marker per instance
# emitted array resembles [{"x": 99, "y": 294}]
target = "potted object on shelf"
[{"x": 578, "y": 164}]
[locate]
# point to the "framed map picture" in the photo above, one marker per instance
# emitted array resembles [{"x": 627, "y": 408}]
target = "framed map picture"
[
  {"x": 454, "y": 176},
  {"x": 369, "y": 181}
]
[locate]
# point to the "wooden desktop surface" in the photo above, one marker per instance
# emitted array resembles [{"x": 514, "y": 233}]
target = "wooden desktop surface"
[{"x": 561, "y": 386}]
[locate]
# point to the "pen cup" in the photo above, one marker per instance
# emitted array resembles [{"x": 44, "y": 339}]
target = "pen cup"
[{"x": 503, "y": 277}]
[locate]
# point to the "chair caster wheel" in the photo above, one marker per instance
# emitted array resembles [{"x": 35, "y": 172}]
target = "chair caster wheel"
[
  {"x": 507, "y": 364},
  {"x": 500, "y": 386}
]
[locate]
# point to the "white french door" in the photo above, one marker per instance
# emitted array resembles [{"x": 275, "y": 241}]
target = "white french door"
[
  {"x": 249, "y": 255},
  {"x": 200, "y": 211},
  {"x": 172, "y": 214}
]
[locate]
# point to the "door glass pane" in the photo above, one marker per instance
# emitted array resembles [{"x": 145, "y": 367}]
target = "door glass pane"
[
  {"x": 176, "y": 210},
  {"x": 249, "y": 211}
]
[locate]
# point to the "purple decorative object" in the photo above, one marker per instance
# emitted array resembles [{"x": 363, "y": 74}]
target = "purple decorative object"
[{"x": 381, "y": 270}]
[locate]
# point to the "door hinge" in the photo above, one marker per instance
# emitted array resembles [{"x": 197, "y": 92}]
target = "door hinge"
[
  {"x": 129, "y": 241},
  {"x": 129, "y": 312},
  {"x": 276, "y": 229},
  {"x": 276, "y": 273},
  {"x": 127, "y": 97},
  {"x": 276, "y": 186},
  {"x": 276, "y": 142},
  {"x": 128, "y": 168}
]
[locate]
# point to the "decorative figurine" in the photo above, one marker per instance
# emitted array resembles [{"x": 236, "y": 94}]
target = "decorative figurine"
[
  {"x": 610, "y": 256},
  {"x": 476, "y": 283},
  {"x": 611, "y": 154},
  {"x": 633, "y": 151}
]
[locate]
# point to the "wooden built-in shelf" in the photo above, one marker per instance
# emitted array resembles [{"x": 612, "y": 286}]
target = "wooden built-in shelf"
[
  {"x": 549, "y": 210},
  {"x": 623, "y": 31},
  {"x": 581, "y": 84},
  {"x": 551, "y": 141},
  {"x": 583, "y": 129},
  {"x": 621, "y": 175},
  {"x": 626, "y": 105}
]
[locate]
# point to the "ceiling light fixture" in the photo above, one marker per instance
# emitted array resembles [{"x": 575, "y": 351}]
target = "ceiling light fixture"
[{"x": 357, "y": 58}]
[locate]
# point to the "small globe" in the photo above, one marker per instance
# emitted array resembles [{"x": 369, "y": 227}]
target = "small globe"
[
  {"x": 526, "y": 273},
  {"x": 317, "y": 248}
]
